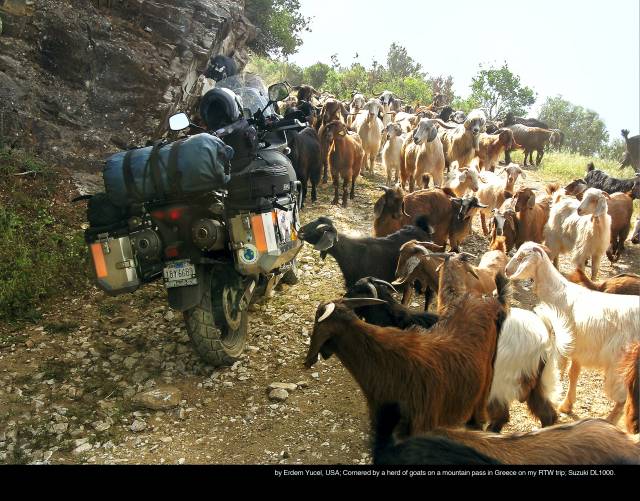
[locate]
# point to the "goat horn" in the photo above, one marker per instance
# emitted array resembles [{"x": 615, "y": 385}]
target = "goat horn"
[
  {"x": 473, "y": 273},
  {"x": 468, "y": 254},
  {"x": 378, "y": 281},
  {"x": 442, "y": 124},
  {"x": 357, "y": 302},
  {"x": 372, "y": 288},
  {"x": 328, "y": 310},
  {"x": 432, "y": 247},
  {"x": 411, "y": 264}
]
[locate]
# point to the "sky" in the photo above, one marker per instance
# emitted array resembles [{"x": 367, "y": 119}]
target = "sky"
[{"x": 587, "y": 51}]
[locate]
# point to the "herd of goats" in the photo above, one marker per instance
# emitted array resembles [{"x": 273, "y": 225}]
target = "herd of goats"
[{"x": 434, "y": 381}]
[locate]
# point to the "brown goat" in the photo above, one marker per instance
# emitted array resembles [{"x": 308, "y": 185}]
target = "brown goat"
[
  {"x": 531, "y": 139},
  {"x": 620, "y": 208},
  {"x": 332, "y": 110},
  {"x": 630, "y": 366},
  {"x": 442, "y": 379},
  {"x": 449, "y": 216},
  {"x": 531, "y": 216},
  {"x": 625, "y": 283},
  {"x": 492, "y": 146},
  {"x": 588, "y": 441},
  {"x": 345, "y": 158},
  {"x": 503, "y": 223}
]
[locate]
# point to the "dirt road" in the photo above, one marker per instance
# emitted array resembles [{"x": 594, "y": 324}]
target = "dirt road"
[{"x": 67, "y": 384}]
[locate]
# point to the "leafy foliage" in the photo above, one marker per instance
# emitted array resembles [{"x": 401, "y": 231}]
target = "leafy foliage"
[
  {"x": 279, "y": 24},
  {"x": 499, "y": 91},
  {"x": 585, "y": 133}
]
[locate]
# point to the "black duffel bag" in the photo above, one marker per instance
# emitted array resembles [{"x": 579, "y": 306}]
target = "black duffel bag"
[{"x": 167, "y": 171}]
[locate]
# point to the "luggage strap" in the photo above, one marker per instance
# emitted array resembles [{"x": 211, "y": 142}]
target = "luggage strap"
[
  {"x": 127, "y": 174},
  {"x": 173, "y": 175},
  {"x": 154, "y": 164}
]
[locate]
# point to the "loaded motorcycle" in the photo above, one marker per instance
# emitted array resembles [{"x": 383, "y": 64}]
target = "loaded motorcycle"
[{"x": 215, "y": 215}]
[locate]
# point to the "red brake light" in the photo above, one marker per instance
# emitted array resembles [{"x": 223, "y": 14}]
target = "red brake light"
[
  {"x": 175, "y": 214},
  {"x": 171, "y": 252}
]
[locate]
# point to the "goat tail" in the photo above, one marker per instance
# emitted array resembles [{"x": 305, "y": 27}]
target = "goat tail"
[
  {"x": 625, "y": 133},
  {"x": 557, "y": 349},
  {"x": 551, "y": 188},
  {"x": 422, "y": 222},
  {"x": 590, "y": 166},
  {"x": 387, "y": 418}
]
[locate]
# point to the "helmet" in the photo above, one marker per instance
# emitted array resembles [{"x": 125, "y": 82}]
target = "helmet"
[{"x": 220, "y": 107}]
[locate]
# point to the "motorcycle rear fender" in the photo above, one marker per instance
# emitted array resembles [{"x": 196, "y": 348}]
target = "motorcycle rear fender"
[{"x": 185, "y": 298}]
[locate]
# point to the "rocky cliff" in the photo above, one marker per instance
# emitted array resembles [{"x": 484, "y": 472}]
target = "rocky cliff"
[{"x": 81, "y": 79}]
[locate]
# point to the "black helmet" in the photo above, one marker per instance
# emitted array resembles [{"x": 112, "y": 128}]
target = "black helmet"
[{"x": 220, "y": 107}]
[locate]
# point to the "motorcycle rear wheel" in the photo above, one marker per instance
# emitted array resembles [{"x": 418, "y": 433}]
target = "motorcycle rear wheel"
[{"x": 218, "y": 334}]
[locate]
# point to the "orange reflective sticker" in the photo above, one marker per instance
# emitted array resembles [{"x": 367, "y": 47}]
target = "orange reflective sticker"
[{"x": 98, "y": 260}]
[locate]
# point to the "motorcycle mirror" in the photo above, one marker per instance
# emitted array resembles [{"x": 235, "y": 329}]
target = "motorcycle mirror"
[
  {"x": 179, "y": 121},
  {"x": 278, "y": 92}
]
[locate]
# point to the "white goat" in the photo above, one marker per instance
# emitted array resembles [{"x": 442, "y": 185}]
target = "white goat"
[
  {"x": 602, "y": 325},
  {"x": 583, "y": 228},
  {"x": 492, "y": 190},
  {"x": 391, "y": 151},
  {"x": 461, "y": 180},
  {"x": 369, "y": 127},
  {"x": 526, "y": 368}
]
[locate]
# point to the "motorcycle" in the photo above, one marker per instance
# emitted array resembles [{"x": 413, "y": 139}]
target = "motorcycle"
[{"x": 219, "y": 250}]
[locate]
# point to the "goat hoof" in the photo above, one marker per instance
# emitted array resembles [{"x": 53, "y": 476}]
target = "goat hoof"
[{"x": 566, "y": 408}]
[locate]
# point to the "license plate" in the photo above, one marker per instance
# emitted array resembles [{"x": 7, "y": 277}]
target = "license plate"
[{"x": 179, "y": 274}]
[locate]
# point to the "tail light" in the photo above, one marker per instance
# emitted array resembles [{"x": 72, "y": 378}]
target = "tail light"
[{"x": 170, "y": 215}]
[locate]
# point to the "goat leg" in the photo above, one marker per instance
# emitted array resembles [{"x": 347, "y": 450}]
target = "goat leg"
[
  {"x": 483, "y": 220},
  {"x": 336, "y": 189},
  {"x": 574, "y": 372},
  {"x": 615, "y": 414},
  {"x": 539, "y": 404},
  {"x": 498, "y": 415},
  {"x": 352, "y": 194},
  {"x": 345, "y": 190}
]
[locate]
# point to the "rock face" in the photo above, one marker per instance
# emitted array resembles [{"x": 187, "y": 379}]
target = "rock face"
[{"x": 82, "y": 79}]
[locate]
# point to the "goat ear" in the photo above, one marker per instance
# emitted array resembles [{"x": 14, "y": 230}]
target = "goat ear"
[
  {"x": 327, "y": 240},
  {"x": 531, "y": 201},
  {"x": 433, "y": 132},
  {"x": 357, "y": 302},
  {"x": 379, "y": 206},
  {"x": 524, "y": 176},
  {"x": 512, "y": 224}
]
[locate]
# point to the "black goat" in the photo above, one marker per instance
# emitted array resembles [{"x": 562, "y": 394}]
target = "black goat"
[
  {"x": 362, "y": 257},
  {"x": 511, "y": 119},
  {"x": 596, "y": 178},
  {"x": 306, "y": 160},
  {"x": 221, "y": 67},
  {"x": 632, "y": 153},
  {"x": 425, "y": 450},
  {"x": 391, "y": 313}
]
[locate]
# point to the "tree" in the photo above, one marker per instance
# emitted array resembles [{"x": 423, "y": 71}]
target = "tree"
[
  {"x": 443, "y": 86},
  {"x": 400, "y": 64},
  {"x": 316, "y": 74},
  {"x": 584, "y": 130},
  {"x": 278, "y": 22},
  {"x": 615, "y": 150},
  {"x": 499, "y": 91}
]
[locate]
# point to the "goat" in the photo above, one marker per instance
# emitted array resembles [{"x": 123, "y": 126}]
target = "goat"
[
  {"x": 531, "y": 139},
  {"x": 491, "y": 146},
  {"x": 305, "y": 92},
  {"x": 581, "y": 228},
  {"x": 625, "y": 283},
  {"x": 390, "y": 313},
  {"x": 492, "y": 190},
  {"x": 460, "y": 181},
  {"x": 632, "y": 153},
  {"x": 503, "y": 224},
  {"x": 345, "y": 158},
  {"x": 221, "y": 67},
  {"x": 630, "y": 367},
  {"x": 529, "y": 346},
  {"x": 511, "y": 119},
  {"x": 332, "y": 110},
  {"x": 635, "y": 236},
  {"x": 391, "y": 151},
  {"x": 619, "y": 207},
  {"x": 369, "y": 127},
  {"x": 588, "y": 441},
  {"x": 602, "y": 325},
  {"x": 305, "y": 157},
  {"x": 361, "y": 257},
  {"x": 422, "y": 153},
  {"x": 531, "y": 216},
  {"x": 462, "y": 143},
  {"x": 439, "y": 379},
  {"x": 449, "y": 217},
  {"x": 357, "y": 103},
  {"x": 596, "y": 178},
  {"x": 418, "y": 450}
]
